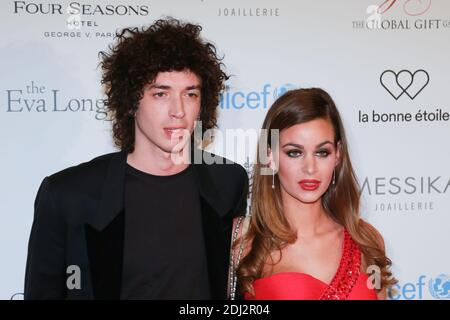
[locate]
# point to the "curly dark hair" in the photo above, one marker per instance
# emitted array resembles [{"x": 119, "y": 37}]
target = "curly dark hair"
[{"x": 136, "y": 58}]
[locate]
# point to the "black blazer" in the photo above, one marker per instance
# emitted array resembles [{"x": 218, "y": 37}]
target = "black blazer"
[{"x": 79, "y": 220}]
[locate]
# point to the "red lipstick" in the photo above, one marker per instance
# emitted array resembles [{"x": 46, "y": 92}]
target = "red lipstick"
[{"x": 309, "y": 184}]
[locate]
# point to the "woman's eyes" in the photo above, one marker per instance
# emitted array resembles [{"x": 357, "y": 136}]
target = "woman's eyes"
[
  {"x": 298, "y": 153},
  {"x": 293, "y": 153},
  {"x": 323, "y": 153}
]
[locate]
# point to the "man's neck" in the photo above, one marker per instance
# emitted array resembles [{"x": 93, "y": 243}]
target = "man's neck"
[{"x": 158, "y": 162}]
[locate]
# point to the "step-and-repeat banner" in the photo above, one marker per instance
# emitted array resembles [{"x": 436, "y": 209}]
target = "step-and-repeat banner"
[{"x": 386, "y": 64}]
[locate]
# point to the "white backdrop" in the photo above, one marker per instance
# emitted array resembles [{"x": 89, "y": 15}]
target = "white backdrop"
[{"x": 51, "y": 114}]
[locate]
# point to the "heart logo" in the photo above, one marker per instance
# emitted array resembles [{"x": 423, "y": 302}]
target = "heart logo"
[{"x": 396, "y": 84}]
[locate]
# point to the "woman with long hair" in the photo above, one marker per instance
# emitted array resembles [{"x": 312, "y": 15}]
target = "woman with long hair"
[{"x": 305, "y": 237}]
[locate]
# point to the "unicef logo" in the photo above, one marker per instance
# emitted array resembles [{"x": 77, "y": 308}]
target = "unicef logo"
[
  {"x": 440, "y": 287},
  {"x": 252, "y": 99},
  {"x": 278, "y": 92}
]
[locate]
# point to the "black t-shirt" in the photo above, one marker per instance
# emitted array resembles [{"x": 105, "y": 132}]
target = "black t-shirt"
[{"x": 164, "y": 250}]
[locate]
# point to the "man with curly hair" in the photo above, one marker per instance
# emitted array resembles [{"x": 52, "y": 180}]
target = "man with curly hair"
[{"x": 136, "y": 224}]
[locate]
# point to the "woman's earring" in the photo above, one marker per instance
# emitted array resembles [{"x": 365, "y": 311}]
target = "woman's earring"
[
  {"x": 273, "y": 178},
  {"x": 334, "y": 176}
]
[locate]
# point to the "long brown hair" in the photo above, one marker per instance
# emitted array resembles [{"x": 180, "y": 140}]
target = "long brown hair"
[{"x": 269, "y": 230}]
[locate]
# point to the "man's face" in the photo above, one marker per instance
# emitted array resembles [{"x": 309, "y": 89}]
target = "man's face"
[{"x": 167, "y": 110}]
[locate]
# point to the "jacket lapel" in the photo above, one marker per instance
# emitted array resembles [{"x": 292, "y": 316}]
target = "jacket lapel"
[
  {"x": 105, "y": 233},
  {"x": 111, "y": 197},
  {"x": 105, "y": 252},
  {"x": 216, "y": 230}
]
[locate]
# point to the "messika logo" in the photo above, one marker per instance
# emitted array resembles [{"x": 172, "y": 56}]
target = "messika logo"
[{"x": 406, "y": 185}]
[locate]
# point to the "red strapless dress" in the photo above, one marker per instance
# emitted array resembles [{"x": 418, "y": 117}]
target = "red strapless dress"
[{"x": 348, "y": 282}]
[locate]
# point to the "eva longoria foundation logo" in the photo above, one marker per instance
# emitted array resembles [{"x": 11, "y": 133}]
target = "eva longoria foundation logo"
[{"x": 36, "y": 98}]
